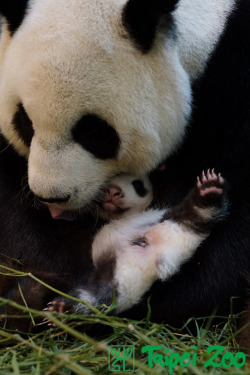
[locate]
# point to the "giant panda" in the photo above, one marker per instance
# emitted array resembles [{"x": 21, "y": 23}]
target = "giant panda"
[{"x": 91, "y": 89}]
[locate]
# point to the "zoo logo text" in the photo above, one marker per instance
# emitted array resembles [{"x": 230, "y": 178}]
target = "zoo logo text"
[{"x": 171, "y": 360}]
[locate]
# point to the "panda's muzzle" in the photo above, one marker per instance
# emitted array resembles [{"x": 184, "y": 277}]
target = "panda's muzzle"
[
  {"x": 54, "y": 200},
  {"x": 55, "y": 212}
]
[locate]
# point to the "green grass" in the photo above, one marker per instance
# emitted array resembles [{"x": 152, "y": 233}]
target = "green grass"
[{"x": 79, "y": 344}]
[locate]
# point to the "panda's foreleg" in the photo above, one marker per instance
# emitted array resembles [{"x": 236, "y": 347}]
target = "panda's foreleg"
[
  {"x": 205, "y": 204},
  {"x": 89, "y": 295}
]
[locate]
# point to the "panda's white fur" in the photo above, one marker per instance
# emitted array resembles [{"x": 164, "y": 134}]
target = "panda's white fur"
[
  {"x": 65, "y": 61},
  {"x": 61, "y": 73},
  {"x": 200, "y": 25},
  {"x": 137, "y": 268}
]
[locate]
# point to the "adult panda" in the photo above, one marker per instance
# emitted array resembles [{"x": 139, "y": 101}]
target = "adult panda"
[{"x": 90, "y": 89}]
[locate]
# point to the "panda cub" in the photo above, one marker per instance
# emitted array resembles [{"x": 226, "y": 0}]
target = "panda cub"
[{"x": 131, "y": 253}]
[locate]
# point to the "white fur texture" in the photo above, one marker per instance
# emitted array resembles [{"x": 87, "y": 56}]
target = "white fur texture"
[
  {"x": 75, "y": 58},
  {"x": 69, "y": 60},
  {"x": 169, "y": 245},
  {"x": 84, "y": 296},
  {"x": 200, "y": 24}
]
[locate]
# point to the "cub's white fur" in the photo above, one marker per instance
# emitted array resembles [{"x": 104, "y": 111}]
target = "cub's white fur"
[{"x": 169, "y": 245}]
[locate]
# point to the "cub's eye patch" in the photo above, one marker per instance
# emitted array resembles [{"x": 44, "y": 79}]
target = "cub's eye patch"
[
  {"x": 139, "y": 188},
  {"x": 96, "y": 136},
  {"x": 141, "y": 241},
  {"x": 23, "y": 125}
]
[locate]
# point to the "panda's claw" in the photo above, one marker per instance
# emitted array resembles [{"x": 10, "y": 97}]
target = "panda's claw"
[
  {"x": 55, "y": 306},
  {"x": 203, "y": 177},
  {"x": 199, "y": 184},
  {"x": 221, "y": 179},
  {"x": 214, "y": 176}
]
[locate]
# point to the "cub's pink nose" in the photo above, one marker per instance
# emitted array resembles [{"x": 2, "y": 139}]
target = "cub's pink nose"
[{"x": 114, "y": 192}]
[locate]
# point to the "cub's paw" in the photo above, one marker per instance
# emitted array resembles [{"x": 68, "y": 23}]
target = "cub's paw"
[
  {"x": 59, "y": 305},
  {"x": 210, "y": 184}
]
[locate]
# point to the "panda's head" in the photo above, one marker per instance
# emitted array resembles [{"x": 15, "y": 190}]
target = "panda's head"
[{"x": 90, "y": 89}]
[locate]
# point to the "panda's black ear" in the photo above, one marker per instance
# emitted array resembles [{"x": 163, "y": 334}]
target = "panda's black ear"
[
  {"x": 142, "y": 18},
  {"x": 13, "y": 11}
]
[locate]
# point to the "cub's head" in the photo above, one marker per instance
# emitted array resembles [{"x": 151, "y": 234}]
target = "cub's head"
[
  {"x": 88, "y": 90},
  {"x": 125, "y": 193}
]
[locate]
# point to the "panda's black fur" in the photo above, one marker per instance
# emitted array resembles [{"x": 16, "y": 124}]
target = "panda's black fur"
[
  {"x": 14, "y": 12},
  {"x": 97, "y": 137},
  {"x": 218, "y": 136},
  {"x": 142, "y": 18},
  {"x": 23, "y": 125},
  {"x": 44, "y": 246},
  {"x": 41, "y": 243}
]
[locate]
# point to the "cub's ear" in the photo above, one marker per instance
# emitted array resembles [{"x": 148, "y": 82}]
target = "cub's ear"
[
  {"x": 143, "y": 17},
  {"x": 13, "y": 11}
]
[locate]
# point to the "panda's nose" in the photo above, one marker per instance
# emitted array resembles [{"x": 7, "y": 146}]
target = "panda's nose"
[{"x": 54, "y": 200}]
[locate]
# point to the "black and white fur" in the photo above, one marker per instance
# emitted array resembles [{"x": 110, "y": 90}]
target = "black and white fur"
[
  {"x": 94, "y": 89},
  {"x": 125, "y": 193},
  {"x": 131, "y": 253}
]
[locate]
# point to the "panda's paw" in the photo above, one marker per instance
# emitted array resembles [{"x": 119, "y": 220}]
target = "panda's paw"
[
  {"x": 210, "y": 184},
  {"x": 56, "y": 305},
  {"x": 59, "y": 305}
]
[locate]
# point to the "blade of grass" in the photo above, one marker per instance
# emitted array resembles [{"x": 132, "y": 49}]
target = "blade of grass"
[{"x": 25, "y": 303}]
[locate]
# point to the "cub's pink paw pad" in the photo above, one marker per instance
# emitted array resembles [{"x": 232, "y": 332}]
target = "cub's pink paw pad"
[
  {"x": 210, "y": 183},
  {"x": 55, "y": 306}
]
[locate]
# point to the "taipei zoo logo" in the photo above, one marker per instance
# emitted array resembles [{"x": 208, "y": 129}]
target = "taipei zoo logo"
[{"x": 122, "y": 358}]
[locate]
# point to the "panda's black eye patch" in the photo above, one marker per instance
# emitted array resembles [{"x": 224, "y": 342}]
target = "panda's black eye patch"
[
  {"x": 139, "y": 188},
  {"x": 96, "y": 136},
  {"x": 23, "y": 125}
]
